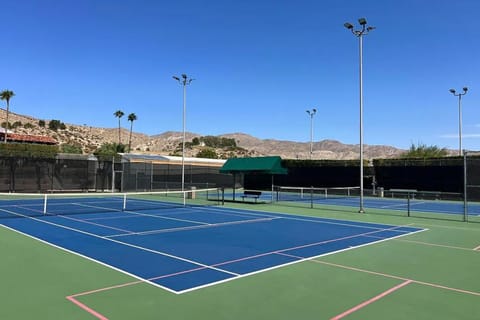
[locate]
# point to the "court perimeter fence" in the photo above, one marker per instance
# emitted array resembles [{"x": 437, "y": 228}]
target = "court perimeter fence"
[
  {"x": 439, "y": 188},
  {"x": 452, "y": 179},
  {"x": 78, "y": 173}
]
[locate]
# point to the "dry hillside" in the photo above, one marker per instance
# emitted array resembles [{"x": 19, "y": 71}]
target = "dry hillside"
[{"x": 90, "y": 138}]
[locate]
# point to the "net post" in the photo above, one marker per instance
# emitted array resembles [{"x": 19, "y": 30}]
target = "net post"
[
  {"x": 273, "y": 189},
  {"x": 151, "y": 176},
  {"x": 45, "y": 203},
  {"x": 408, "y": 204},
  {"x": 311, "y": 197},
  {"x": 124, "y": 206}
]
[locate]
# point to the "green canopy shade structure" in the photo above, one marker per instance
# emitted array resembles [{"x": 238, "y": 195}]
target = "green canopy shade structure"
[
  {"x": 264, "y": 165},
  {"x": 255, "y": 165}
]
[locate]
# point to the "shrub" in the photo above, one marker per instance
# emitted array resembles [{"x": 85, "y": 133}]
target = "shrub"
[
  {"x": 17, "y": 124},
  {"x": 69, "y": 148},
  {"x": 4, "y": 125},
  {"x": 56, "y": 124},
  {"x": 207, "y": 153}
]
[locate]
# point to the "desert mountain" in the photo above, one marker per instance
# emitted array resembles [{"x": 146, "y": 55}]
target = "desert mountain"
[{"x": 90, "y": 138}]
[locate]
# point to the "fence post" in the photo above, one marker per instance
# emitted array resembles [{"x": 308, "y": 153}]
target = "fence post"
[
  {"x": 465, "y": 199},
  {"x": 113, "y": 174}
]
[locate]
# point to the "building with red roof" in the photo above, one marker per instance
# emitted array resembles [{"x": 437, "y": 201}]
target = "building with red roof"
[{"x": 27, "y": 138}]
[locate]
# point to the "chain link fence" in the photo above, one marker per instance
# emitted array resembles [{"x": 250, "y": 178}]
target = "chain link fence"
[
  {"x": 432, "y": 188},
  {"x": 150, "y": 176},
  {"x": 69, "y": 173},
  {"x": 82, "y": 173}
]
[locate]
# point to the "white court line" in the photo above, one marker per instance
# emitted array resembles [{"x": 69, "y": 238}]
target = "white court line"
[
  {"x": 77, "y": 220},
  {"x": 402, "y": 205},
  {"x": 208, "y": 225},
  {"x": 414, "y": 203},
  {"x": 93, "y": 223},
  {"x": 138, "y": 214},
  {"x": 349, "y": 223}
]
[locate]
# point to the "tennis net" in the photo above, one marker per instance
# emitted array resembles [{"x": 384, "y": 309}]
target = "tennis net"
[
  {"x": 36, "y": 204},
  {"x": 285, "y": 193}
]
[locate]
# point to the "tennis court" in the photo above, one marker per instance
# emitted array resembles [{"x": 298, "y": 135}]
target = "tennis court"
[
  {"x": 435, "y": 203},
  {"x": 140, "y": 251},
  {"x": 178, "y": 248}
]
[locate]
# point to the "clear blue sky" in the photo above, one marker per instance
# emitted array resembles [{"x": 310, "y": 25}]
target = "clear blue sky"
[{"x": 258, "y": 64}]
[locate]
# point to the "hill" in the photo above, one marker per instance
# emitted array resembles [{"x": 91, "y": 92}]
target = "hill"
[{"x": 90, "y": 138}]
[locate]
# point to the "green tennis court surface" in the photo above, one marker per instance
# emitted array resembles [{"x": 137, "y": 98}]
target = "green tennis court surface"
[{"x": 428, "y": 275}]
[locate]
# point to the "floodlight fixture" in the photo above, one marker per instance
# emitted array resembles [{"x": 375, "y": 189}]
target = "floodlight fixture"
[
  {"x": 362, "y": 21},
  {"x": 348, "y": 25},
  {"x": 311, "y": 113},
  {"x": 459, "y": 95}
]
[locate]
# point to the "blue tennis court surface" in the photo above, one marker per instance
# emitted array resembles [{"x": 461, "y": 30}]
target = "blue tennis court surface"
[{"x": 186, "y": 248}]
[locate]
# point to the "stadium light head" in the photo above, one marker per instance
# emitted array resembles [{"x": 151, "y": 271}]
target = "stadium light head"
[
  {"x": 370, "y": 28},
  {"x": 465, "y": 89},
  {"x": 452, "y": 91},
  {"x": 176, "y": 78},
  {"x": 348, "y": 25},
  {"x": 314, "y": 110},
  {"x": 184, "y": 76},
  {"x": 362, "y": 21}
]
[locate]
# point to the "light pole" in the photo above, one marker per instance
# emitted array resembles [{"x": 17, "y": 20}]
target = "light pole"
[
  {"x": 459, "y": 95},
  {"x": 359, "y": 34},
  {"x": 311, "y": 113},
  {"x": 184, "y": 81}
]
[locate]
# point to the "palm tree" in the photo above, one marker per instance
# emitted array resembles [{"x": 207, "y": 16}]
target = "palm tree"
[
  {"x": 131, "y": 117},
  {"x": 6, "y": 95},
  {"x": 118, "y": 114}
]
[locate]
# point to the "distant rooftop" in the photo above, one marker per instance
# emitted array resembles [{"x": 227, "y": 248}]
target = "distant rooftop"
[
  {"x": 27, "y": 138},
  {"x": 137, "y": 157}
]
